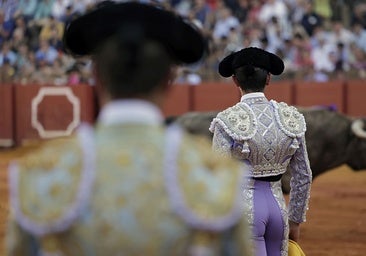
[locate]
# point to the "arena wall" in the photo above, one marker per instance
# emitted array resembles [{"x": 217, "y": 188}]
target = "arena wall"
[{"x": 36, "y": 112}]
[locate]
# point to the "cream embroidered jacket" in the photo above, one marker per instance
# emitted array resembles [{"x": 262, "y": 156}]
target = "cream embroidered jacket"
[
  {"x": 128, "y": 186},
  {"x": 271, "y": 137}
]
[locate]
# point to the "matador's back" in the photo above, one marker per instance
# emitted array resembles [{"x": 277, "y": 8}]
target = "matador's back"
[{"x": 143, "y": 191}]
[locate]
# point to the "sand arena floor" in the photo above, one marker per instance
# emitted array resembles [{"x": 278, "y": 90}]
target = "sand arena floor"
[{"x": 336, "y": 222}]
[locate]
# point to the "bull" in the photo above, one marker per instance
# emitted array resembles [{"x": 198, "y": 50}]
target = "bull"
[{"x": 333, "y": 139}]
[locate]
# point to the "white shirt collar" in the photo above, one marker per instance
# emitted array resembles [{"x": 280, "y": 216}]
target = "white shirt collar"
[
  {"x": 252, "y": 95},
  {"x": 130, "y": 111}
]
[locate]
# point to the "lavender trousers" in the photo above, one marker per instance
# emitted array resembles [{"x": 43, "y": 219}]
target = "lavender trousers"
[{"x": 268, "y": 225}]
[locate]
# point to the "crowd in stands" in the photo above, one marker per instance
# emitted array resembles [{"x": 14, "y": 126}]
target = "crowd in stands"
[{"x": 319, "y": 40}]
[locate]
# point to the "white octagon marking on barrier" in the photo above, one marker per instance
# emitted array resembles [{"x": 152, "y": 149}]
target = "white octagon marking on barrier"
[{"x": 50, "y": 91}]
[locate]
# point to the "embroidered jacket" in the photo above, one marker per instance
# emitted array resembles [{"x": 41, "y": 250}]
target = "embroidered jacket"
[
  {"x": 271, "y": 137},
  {"x": 127, "y": 187}
]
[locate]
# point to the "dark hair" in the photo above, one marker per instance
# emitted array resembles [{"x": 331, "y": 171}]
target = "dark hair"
[
  {"x": 131, "y": 66},
  {"x": 251, "y": 78}
]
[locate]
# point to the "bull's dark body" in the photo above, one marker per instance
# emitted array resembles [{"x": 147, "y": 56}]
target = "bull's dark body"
[{"x": 330, "y": 141}]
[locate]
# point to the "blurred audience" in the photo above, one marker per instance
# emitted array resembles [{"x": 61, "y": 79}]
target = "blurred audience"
[{"x": 318, "y": 41}]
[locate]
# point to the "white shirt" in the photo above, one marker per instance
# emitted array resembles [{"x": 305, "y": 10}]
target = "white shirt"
[{"x": 130, "y": 111}]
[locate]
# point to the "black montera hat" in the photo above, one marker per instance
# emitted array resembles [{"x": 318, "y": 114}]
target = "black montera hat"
[
  {"x": 251, "y": 56},
  {"x": 184, "y": 42}
]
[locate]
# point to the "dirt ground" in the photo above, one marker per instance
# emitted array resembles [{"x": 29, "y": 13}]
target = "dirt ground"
[{"x": 336, "y": 222}]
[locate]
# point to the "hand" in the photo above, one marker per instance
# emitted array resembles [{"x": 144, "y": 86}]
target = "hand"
[{"x": 294, "y": 233}]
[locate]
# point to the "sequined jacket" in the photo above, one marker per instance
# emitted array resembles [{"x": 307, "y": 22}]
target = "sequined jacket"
[
  {"x": 271, "y": 137},
  {"x": 129, "y": 186}
]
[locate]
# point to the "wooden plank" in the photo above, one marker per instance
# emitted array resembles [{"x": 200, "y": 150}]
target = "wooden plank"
[
  {"x": 327, "y": 94},
  {"x": 6, "y": 116},
  {"x": 355, "y": 98},
  {"x": 214, "y": 96}
]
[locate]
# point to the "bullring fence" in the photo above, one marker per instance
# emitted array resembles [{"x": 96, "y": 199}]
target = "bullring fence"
[{"x": 34, "y": 112}]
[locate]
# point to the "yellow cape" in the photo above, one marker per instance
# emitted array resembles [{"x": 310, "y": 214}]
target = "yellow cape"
[{"x": 294, "y": 249}]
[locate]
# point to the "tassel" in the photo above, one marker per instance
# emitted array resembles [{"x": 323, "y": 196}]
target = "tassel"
[
  {"x": 245, "y": 150},
  {"x": 294, "y": 146}
]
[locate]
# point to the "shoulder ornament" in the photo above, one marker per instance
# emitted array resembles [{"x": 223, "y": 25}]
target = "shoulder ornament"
[
  {"x": 41, "y": 203},
  {"x": 198, "y": 215},
  {"x": 290, "y": 120},
  {"x": 238, "y": 121}
]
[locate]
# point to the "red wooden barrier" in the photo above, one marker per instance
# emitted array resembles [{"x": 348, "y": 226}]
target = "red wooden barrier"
[
  {"x": 33, "y": 112},
  {"x": 356, "y": 98},
  {"x": 281, "y": 91},
  {"x": 214, "y": 96},
  {"x": 320, "y": 94},
  {"x": 44, "y": 112},
  {"x": 178, "y": 101},
  {"x": 6, "y": 116}
]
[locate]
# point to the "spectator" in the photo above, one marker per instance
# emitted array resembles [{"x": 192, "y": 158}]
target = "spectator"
[
  {"x": 322, "y": 56},
  {"x": 224, "y": 24},
  {"x": 357, "y": 62},
  {"x": 360, "y": 35},
  {"x": 202, "y": 12},
  {"x": 44, "y": 9},
  {"x": 296, "y": 10},
  {"x": 273, "y": 8},
  {"x": 6, "y": 27},
  {"x": 46, "y": 53},
  {"x": 242, "y": 10},
  {"x": 340, "y": 34},
  {"x": 22, "y": 56},
  {"x": 59, "y": 8},
  {"x": 7, "y": 54},
  {"x": 274, "y": 13},
  {"x": 27, "y": 8},
  {"x": 69, "y": 15},
  {"x": 59, "y": 76},
  {"x": 73, "y": 75},
  {"x": 275, "y": 35},
  {"x": 21, "y": 33},
  {"x": 341, "y": 62},
  {"x": 188, "y": 76},
  {"x": 311, "y": 19},
  {"x": 358, "y": 14},
  {"x": 7, "y": 72},
  {"x": 303, "y": 62},
  {"x": 9, "y": 8},
  {"x": 27, "y": 69},
  {"x": 80, "y": 6},
  {"x": 253, "y": 13},
  {"x": 52, "y": 31},
  {"x": 323, "y": 8}
]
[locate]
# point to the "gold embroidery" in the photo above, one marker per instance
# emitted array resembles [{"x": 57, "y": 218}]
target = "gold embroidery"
[
  {"x": 201, "y": 187},
  {"x": 123, "y": 159},
  {"x": 43, "y": 196}
]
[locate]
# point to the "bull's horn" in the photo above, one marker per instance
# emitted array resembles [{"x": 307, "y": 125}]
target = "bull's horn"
[{"x": 357, "y": 128}]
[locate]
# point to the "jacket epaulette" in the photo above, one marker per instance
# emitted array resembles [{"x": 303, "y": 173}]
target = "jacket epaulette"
[
  {"x": 238, "y": 121},
  {"x": 290, "y": 120},
  {"x": 205, "y": 195},
  {"x": 49, "y": 188}
]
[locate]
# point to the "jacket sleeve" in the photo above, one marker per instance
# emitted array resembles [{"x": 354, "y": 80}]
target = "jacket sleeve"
[
  {"x": 221, "y": 142},
  {"x": 300, "y": 183}
]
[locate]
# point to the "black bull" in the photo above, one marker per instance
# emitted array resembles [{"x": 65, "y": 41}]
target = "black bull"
[{"x": 333, "y": 139}]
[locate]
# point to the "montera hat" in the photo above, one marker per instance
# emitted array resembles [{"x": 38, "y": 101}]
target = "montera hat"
[
  {"x": 183, "y": 41},
  {"x": 251, "y": 56}
]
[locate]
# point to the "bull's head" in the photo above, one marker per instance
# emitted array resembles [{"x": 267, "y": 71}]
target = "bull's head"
[{"x": 357, "y": 157}]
